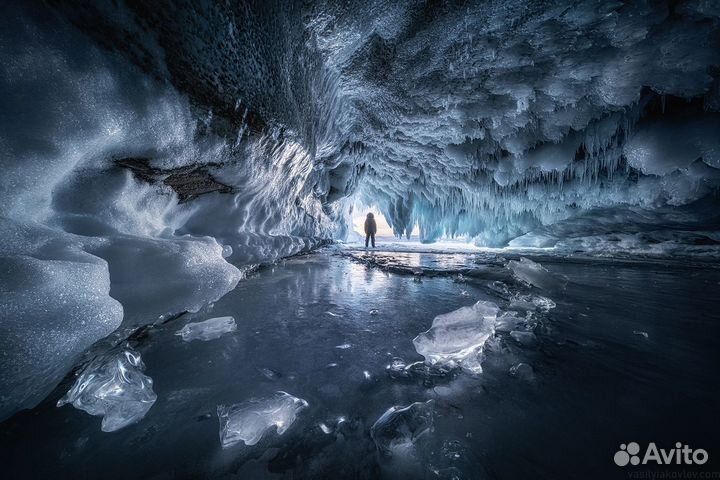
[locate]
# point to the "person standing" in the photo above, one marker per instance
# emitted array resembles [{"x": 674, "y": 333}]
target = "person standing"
[{"x": 370, "y": 229}]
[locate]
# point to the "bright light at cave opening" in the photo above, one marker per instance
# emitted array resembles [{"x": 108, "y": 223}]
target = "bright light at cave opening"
[
  {"x": 360, "y": 211},
  {"x": 358, "y": 220}
]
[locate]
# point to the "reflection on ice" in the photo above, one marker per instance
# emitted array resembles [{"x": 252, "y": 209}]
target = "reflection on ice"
[
  {"x": 399, "y": 427},
  {"x": 115, "y": 387},
  {"x": 457, "y": 338},
  {"x": 530, "y": 273},
  {"x": 248, "y": 421},
  {"x": 277, "y": 349},
  {"x": 208, "y": 330},
  {"x": 531, "y": 302}
]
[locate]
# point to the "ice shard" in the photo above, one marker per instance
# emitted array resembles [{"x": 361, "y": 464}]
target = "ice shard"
[
  {"x": 532, "y": 273},
  {"x": 207, "y": 330},
  {"x": 400, "y": 427},
  {"x": 247, "y": 422},
  {"x": 113, "y": 386},
  {"x": 457, "y": 338}
]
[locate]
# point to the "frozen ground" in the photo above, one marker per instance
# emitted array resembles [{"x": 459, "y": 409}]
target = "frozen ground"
[
  {"x": 147, "y": 150},
  {"x": 626, "y": 354}
]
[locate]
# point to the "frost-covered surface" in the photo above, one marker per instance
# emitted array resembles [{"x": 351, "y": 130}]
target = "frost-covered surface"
[
  {"x": 488, "y": 120},
  {"x": 87, "y": 245},
  {"x": 495, "y": 119},
  {"x": 207, "y": 330},
  {"x": 54, "y": 303},
  {"x": 114, "y": 387},
  {"x": 161, "y": 147},
  {"x": 687, "y": 231},
  {"x": 457, "y": 338},
  {"x": 248, "y": 421}
]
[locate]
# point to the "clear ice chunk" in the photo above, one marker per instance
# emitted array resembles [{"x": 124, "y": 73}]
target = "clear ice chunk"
[
  {"x": 248, "y": 421},
  {"x": 457, "y": 338},
  {"x": 400, "y": 427},
  {"x": 531, "y": 273},
  {"x": 114, "y": 387},
  {"x": 207, "y": 330}
]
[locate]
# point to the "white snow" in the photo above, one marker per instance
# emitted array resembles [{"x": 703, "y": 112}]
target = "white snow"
[
  {"x": 54, "y": 303},
  {"x": 86, "y": 246}
]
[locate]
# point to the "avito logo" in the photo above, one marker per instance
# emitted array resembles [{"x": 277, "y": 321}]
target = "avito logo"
[{"x": 680, "y": 455}]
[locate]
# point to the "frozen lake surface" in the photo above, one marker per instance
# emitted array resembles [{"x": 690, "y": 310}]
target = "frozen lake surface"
[{"x": 628, "y": 353}]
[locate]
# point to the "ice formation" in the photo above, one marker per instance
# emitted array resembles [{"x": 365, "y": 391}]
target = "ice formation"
[
  {"x": 147, "y": 161},
  {"x": 531, "y": 302},
  {"x": 457, "y": 338},
  {"x": 532, "y": 273},
  {"x": 54, "y": 303},
  {"x": 487, "y": 120},
  {"x": 248, "y": 421},
  {"x": 207, "y": 330},
  {"x": 113, "y": 386},
  {"x": 399, "y": 427},
  {"x": 507, "y": 322}
]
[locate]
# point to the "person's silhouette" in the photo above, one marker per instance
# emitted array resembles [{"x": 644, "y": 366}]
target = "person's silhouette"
[{"x": 370, "y": 229}]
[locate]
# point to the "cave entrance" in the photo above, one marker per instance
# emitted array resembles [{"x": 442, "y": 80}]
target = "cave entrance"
[{"x": 359, "y": 213}]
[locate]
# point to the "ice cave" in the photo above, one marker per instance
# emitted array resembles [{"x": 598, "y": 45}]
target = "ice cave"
[{"x": 191, "y": 286}]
